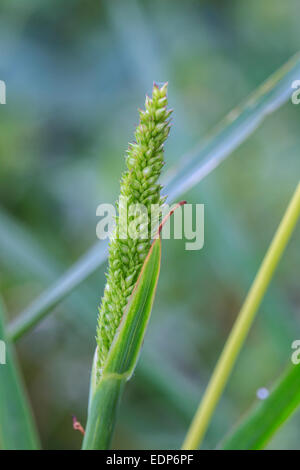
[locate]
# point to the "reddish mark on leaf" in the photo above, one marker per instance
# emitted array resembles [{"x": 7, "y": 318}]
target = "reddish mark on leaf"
[{"x": 179, "y": 204}]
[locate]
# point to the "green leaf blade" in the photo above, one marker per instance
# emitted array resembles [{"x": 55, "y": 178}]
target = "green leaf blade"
[
  {"x": 123, "y": 355},
  {"x": 266, "y": 418},
  {"x": 17, "y": 428},
  {"x": 124, "y": 351}
]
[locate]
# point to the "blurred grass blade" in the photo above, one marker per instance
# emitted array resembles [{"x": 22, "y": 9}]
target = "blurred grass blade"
[
  {"x": 17, "y": 429},
  {"x": 123, "y": 355},
  {"x": 58, "y": 291},
  {"x": 21, "y": 252},
  {"x": 232, "y": 131},
  {"x": 22, "y": 255},
  {"x": 256, "y": 430}
]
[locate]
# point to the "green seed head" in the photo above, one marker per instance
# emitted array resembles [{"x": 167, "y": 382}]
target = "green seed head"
[{"x": 138, "y": 186}]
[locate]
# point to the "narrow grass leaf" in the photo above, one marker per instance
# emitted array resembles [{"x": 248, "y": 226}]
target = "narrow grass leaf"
[
  {"x": 266, "y": 418},
  {"x": 17, "y": 428}
]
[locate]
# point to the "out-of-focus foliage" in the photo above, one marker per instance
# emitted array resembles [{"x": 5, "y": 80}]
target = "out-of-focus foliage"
[
  {"x": 17, "y": 429},
  {"x": 75, "y": 73}
]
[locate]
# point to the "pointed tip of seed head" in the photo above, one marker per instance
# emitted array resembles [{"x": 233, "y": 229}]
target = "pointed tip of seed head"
[{"x": 162, "y": 87}]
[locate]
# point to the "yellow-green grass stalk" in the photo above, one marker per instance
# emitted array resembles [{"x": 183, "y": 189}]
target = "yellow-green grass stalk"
[{"x": 242, "y": 325}]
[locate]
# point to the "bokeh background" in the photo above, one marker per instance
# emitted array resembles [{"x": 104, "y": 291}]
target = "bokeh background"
[{"x": 76, "y": 72}]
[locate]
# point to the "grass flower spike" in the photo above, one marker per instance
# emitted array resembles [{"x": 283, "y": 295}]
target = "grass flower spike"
[{"x": 138, "y": 186}]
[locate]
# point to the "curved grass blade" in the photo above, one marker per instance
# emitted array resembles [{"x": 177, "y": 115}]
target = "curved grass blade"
[
  {"x": 232, "y": 131},
  {"x": 260, "y": 425},
  {"x": 17, "y": 429},
  {"x": 123, "y": 355}
]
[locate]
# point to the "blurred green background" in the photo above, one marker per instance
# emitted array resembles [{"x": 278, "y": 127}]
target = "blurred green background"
[{"x": 76, "y": 72}]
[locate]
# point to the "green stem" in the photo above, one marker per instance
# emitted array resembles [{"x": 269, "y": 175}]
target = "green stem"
[
  {"x": 242, "y": 325},
  {"x": 106, "y": 388},
  {"x": 102, "y": 415}
]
